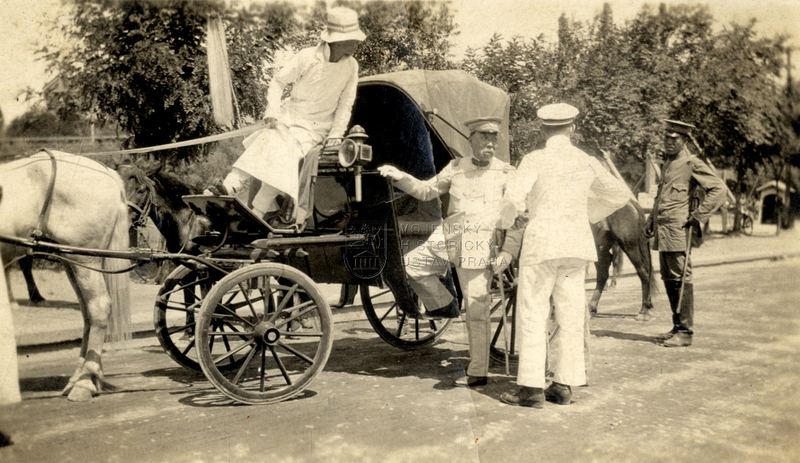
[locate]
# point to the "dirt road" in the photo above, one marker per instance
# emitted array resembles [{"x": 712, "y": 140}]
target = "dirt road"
[{"x": 733, "y": 396}]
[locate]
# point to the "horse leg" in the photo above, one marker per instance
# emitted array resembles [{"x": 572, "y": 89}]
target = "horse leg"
[
  {"x": 26, "y": 265},
  {"x": 95, "y": 305},
  {"x": 601, "y": 267},
  {"x": 639, "y": 255}
]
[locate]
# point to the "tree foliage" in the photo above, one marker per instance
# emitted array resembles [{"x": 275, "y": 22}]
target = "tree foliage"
[
  {"x": 667, "y": 62},
  {"x": 41, "y": 122}
]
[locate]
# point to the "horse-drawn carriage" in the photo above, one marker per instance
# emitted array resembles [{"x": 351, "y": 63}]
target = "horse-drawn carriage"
[{"x": 248, "y": 311}]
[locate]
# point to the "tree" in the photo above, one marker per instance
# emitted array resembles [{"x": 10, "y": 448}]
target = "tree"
[
  {"x": 404, "y": 35},
  {"x": 667, "y": 62},
  {"x": 39, "y": 121},
  {"x": 142, "y": 64}
]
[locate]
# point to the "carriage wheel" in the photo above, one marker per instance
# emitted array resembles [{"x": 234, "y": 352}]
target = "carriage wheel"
[
  {"x": 508, "y": 303},
  {"x": 393, "y": 325},
  {"x": 177, "y": 303},
  {"x": 278, "y": 328}
]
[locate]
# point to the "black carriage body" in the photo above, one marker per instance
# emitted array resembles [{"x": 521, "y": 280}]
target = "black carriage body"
[{"x": 415, "y": 121}]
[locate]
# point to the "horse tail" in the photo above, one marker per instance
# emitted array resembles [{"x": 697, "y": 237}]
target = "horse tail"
[
  {"x": 117, "y": 283},
  {"x": 616, "y": 262}
]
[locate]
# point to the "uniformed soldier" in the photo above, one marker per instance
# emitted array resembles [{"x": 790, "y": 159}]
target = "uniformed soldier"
[
  {"x": 476, "y": 186},
  {"x": 678, "y": 214}
]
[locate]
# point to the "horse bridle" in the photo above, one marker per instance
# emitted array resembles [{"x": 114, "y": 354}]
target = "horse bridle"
[{"x": 144, "y": 210}]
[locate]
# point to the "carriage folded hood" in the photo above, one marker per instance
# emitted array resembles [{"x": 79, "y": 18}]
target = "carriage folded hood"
[{"x": 454, "y": 97}]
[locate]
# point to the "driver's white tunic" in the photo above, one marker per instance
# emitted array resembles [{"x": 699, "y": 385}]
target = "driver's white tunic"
[
  {"x": 563, "y": 189},
  {"x": 318, "y": 106}
]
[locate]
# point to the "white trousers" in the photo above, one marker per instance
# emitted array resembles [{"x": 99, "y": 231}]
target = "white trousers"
[
  {"x": 477, "y": 303},
  {"x": 239, "y": 182},
  {"x": 425, "y": 264},
  {"x": 564, "y": 280}
]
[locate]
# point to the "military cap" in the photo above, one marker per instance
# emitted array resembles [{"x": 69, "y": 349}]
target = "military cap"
[
  {"x": 484, "y": 124},
  {"x": 557, "y": 114},
  {"x": 675, "y": 128}
]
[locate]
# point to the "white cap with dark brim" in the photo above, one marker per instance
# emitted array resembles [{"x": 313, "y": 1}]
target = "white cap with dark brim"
[
  {"x": 484, "y": 125},
  {"x": 557, "y": 114}
]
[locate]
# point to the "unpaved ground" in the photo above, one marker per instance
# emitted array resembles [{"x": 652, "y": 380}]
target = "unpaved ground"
[{"x": 733, "y": 396}]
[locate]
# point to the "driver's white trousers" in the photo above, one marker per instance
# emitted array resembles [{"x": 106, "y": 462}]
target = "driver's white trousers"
[{"x": 239, "y": 183}]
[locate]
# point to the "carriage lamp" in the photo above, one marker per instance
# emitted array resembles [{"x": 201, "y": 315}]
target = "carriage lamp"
[{"x": 354, "y": 152}]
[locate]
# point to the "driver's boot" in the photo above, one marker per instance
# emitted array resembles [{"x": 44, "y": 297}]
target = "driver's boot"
[{"x": 284, "y": 217}]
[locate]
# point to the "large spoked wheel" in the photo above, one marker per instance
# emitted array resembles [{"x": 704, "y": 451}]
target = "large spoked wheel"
[
  {"x": 174, "y": 313},
  {"x": 278, "y": 333},
  {"x": 505, "y": 301},
  {"x": 393, "y": 325}
]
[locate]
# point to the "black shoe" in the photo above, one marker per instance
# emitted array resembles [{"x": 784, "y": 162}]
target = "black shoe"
[
  {"x": 475, "y": 381},
  {"x": 524, "y": 397},
  {"x": 558, "y": 393},
  {"x": 449, "y": 311},
  {"x": 472, "y": 381}
]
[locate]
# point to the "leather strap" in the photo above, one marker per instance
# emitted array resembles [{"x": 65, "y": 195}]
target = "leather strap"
[{"x": 40, "y": 232}]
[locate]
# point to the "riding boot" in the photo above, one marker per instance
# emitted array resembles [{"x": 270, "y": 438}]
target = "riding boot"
[
  {"x": 685, "y": 315},
  {"x": 673, "y": 289},
  {"x": 686, "y": 312}
]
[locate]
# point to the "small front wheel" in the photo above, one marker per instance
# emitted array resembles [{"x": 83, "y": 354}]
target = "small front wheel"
[{"x": 279, "y": 333}]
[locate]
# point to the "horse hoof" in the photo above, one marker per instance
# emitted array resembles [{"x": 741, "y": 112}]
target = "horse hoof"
[
  {"x": 81, "y": 392},
  {"x": 644, "y": 316}
]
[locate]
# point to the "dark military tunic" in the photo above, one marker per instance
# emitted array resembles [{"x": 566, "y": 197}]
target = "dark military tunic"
[{"x": 680, "y": 178}]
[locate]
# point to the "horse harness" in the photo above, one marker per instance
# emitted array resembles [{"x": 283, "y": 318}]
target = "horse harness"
[
  {"x": 143, "y": 211},
  {"x": 40, "y": 232}
]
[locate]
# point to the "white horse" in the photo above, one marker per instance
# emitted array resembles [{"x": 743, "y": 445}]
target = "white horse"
[{"x": 87, "y": 208}]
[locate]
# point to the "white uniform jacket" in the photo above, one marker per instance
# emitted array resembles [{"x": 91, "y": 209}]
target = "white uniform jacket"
[
  {"x": 563, "y": 190},
  {"x": 319, "y": 106},
  {"x": 476, "y": 194}
]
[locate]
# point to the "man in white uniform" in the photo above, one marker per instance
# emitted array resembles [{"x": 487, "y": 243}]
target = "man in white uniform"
[
  {"x": 476, "y": 186},
  {"x": 563, "y": 189},
  {"x": 323, "y": 80}
]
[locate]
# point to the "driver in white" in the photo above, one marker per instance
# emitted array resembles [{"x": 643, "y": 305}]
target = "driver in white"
[{"x": 323, "y": 80}]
